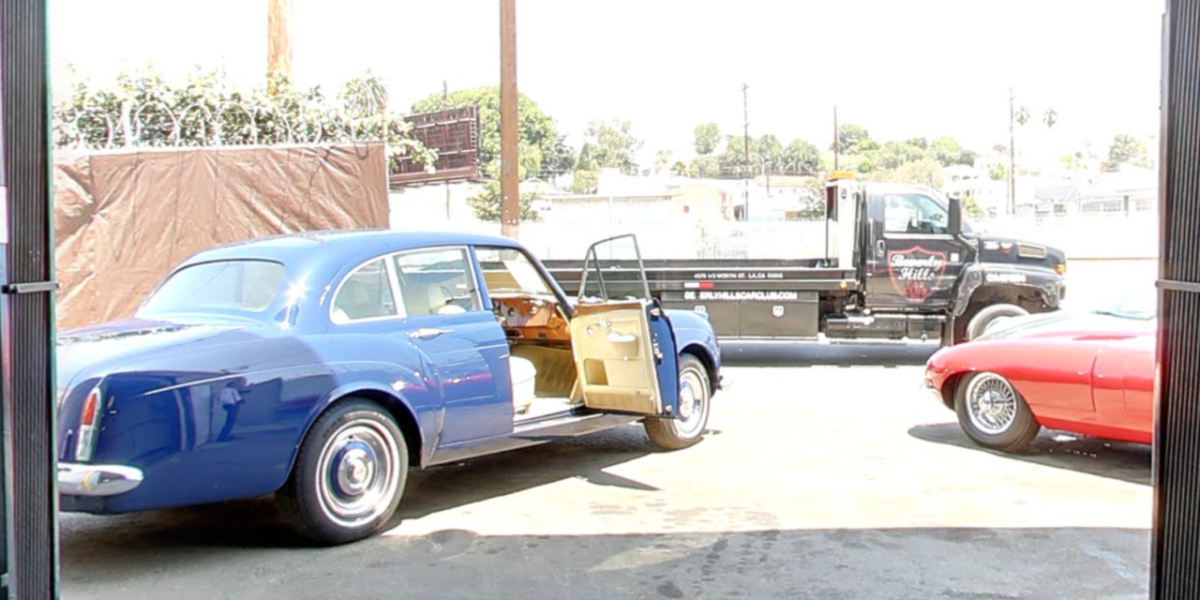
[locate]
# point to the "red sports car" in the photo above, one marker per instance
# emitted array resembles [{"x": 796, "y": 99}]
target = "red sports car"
[{"x": 1089, "y": 373}]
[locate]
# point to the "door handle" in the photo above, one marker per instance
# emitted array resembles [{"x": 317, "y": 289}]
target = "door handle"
[
  {"x": 879, "y": 248},
  {"x": 428, "y": 333},
  {"x": 622, "y": 338}
]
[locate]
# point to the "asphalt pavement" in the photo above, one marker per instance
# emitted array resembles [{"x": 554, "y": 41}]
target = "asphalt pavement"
[{"x": 827, "y": 474}]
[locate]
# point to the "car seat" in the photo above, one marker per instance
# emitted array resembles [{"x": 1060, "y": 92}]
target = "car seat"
[{"x": 524, "y": 382}]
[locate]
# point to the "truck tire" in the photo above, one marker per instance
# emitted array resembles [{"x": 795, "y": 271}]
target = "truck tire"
[
  {"x": 988, "y": 314},
  {"x": 690, "y": 424}
]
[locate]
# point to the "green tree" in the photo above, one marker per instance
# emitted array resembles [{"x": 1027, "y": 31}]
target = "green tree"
[
  {"x": 705, "y": 167},
  {"x": 801, "y": 157},
  {"x": 971, "y": 207},
  {"x": 924, "y": 171},
  {"x": 1127, "y": 149},
  {"x": 919, "y": 142},
  {"x": 662, "y": 160},
  {"x": 767, "y": 148},
  {"x": 894, "y": 154},
  {"x": 562, "y": 159},
  {"x": 998, "y": 172},
  {"x": 1022, "y": 115},
  {"x": 850, "y": 136},
  {"x": 1050, "y": 118},
  {"x": 536, "y": 130},
  {"x": 486, "y": 204},
  {"x": 707, "y": 138},
  {"x": 613, "y": 145},
  {"x": 679, "y": 169},
  {"x": 587, "y": 171},
  {"x": 946, "y": 151}
]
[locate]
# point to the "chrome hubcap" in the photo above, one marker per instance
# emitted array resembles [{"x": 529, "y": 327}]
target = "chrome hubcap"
[
  {"x": 991, "y": 403},
  {"x": 358, "y": 473},
  {"x": 693, "y": 402}
]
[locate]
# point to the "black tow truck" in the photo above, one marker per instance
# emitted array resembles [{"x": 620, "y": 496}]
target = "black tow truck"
[{"x": 901, "y": 264}]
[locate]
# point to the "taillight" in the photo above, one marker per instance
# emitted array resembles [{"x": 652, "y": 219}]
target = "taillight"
[{"x": 89, "y": 420}]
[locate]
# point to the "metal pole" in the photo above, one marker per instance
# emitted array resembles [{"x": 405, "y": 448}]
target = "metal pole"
[
  {"x": 279, "y": 41},
  {"x": 746, "y": 149},
  {"x": 836, "y": 143},
  {"x": 509, "y": 188},
  {"x": 27, "y": 399},
  {"x": 1012, "y": 155}
]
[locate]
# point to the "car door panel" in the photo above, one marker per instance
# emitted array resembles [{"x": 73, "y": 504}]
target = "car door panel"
[
  {"x": 912, "y": 261},
  {"x": 615, "y": 359},
  {"x": 622, "y": 340},
  {"x": 466, "y": 348},
  {"x": 467, "y": 354}
]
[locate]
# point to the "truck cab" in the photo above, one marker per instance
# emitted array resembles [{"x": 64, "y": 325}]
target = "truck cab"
[{"x": 922, "y": 269}]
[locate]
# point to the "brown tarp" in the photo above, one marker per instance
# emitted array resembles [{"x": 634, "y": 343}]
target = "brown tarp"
[{"x": 123, "y": 220}]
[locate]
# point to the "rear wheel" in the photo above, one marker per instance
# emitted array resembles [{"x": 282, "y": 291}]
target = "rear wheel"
[
  {"x": 993, "y": 414},
  {"x": 349, "y": 475},
  {"x": 695, "y": 393}
]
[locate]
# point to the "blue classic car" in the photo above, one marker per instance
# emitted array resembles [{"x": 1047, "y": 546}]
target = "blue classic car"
[{"x": 319, "y": 367}]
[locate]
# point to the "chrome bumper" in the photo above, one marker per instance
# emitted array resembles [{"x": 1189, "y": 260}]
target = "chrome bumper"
[{"x": 97, "y": 480}]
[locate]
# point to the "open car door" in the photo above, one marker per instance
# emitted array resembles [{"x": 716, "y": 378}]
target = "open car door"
[{"x": 624, "y": 346}]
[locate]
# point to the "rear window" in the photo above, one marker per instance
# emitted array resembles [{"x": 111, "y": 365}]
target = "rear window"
[{"x": 248, "y": 286}]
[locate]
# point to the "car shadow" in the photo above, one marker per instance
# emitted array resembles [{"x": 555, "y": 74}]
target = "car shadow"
[
  {"x": 1061, "y": 450},
  {"x": 119, "y": 542},
  {"x": 801, "y": 354}
]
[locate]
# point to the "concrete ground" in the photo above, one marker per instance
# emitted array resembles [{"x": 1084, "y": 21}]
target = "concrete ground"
[{"x": 827, "y": 474}]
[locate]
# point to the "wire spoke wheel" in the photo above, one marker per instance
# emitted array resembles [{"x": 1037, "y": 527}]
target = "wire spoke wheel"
[{"x": 991, "y": 403}]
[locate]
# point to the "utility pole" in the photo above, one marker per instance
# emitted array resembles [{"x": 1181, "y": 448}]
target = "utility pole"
[
  {"x": 1012, "y": 153},
  {"x": 746, "y": 148},
  {"x": 509, "y": 189},
  {"x": 279, "y": 42},
  {"x": 445, "y": 105},
  {"x": 767, "y": 175},
  {"x": 836, "y": 143}
]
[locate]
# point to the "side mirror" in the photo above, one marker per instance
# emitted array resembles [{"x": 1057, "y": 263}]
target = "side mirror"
[{"x": 954, "y": 226}]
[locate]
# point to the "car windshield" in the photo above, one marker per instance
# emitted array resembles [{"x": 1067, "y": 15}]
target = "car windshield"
[
  {"x": 228, "y": 286},
  {"x": 1142, "y": 306}
]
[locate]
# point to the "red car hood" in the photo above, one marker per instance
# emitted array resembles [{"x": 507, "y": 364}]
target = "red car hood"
[{"x": 1069, "y": 326}]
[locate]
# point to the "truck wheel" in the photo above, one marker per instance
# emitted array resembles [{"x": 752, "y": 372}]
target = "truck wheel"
[
  {"x": 695, "y": 394},
  {"x": 988, "y": 314},
  {"x": 349, "y": 475},
  {"x": 993, "y": 414}
]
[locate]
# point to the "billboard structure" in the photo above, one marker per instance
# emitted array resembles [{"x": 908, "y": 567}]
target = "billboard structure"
[{"x": 454, "y": 134}]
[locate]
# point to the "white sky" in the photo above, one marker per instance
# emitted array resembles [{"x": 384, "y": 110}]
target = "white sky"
[{"x": 901, "y": 68}]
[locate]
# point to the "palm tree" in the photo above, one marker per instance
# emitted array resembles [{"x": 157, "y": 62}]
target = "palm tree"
[{"x": 1050, "y": 118}]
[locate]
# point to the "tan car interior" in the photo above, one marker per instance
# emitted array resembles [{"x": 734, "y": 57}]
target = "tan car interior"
[{"x": 611, "y": 351}]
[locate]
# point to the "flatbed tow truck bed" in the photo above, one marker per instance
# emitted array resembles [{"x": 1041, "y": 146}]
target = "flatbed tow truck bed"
[{"x": 744, "y": 299}]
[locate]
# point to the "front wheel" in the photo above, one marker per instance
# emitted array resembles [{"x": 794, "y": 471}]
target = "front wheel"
[
  {"x": 993, "y": 414},
  {"x": 348, "y": 476},
  {"x": 695, "y": 394},
  {"x": 991, "y": 314}
]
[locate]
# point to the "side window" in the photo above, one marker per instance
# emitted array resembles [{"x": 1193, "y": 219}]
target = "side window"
[
  {"x": 913, "y": 213},
  {"x": 365, "y": 294},
  {"x": 509, "y": 271},
  {"x": 437, "y": 281}
]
